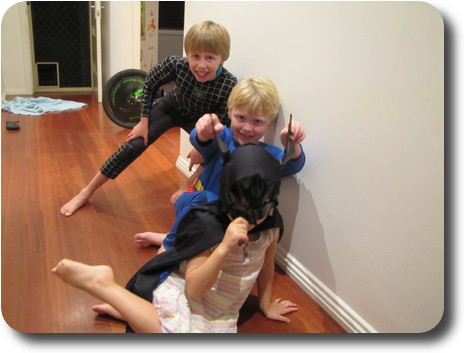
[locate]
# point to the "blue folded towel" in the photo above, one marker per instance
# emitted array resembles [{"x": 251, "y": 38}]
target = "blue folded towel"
[{"x": 38, "y": 105}]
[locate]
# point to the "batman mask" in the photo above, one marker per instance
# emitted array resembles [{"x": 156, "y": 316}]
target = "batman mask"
[{"x": 250, "y": 183}]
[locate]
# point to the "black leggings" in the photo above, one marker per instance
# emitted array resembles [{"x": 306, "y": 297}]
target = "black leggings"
[{"x": 163, "y": 116}]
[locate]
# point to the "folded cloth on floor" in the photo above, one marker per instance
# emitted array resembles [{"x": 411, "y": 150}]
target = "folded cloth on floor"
[{"x": 38, "y": 105}]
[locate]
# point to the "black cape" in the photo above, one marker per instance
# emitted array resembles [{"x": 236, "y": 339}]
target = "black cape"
[{"x": 200, "y": 229}]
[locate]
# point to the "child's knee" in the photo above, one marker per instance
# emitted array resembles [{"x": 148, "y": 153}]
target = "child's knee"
[{"x": 136, "y": 146}]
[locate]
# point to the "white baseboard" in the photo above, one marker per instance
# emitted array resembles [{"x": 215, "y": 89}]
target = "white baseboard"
[
  {"x": 327, "y": 299},
  {"x": 15, "y": 92},
  {"x": 183, "y": 165}
]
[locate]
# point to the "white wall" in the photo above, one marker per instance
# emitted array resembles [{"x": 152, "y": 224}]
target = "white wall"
[
  {"x": 17, "y": 77},
  {"x": 120, "y": 36},
  {"x": 365, "y": 218}
]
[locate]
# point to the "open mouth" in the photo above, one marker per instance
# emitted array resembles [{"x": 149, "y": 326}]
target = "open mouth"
[
  {"x": 202, "y": 74},
  {"x": 246, "y": 138}
]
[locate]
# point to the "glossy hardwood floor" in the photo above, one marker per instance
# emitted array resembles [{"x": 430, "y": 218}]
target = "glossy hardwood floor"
[{"x": 46, "y": 163}]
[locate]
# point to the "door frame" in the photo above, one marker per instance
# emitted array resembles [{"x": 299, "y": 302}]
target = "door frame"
[
  {"x": 35, "y": 79},
  {"x": 95, "y": 9}
]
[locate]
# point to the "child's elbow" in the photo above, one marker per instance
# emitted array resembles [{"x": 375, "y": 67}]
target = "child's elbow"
[
  {"x": 193, "y": 292},
  {"x": 193, "y": 288}
]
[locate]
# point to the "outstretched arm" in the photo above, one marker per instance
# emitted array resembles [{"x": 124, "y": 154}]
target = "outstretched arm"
[{"x": 274, "y": 310}]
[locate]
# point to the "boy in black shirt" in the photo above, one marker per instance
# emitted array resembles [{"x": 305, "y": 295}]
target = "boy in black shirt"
[{"x": 202, "y": 85}]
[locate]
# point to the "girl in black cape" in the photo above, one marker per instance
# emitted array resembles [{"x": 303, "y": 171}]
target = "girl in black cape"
[{"x": 222, "y": 248}]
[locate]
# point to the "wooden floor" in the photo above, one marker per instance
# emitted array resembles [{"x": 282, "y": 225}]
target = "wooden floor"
[{"x": 47, "y": 162}]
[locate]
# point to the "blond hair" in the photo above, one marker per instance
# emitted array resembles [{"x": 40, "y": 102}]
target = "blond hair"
[
  {"x": 208, "y": 36},
  {"x": 257, "y": 95}
]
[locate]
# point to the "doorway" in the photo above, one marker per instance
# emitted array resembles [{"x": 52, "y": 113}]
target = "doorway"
[
  {"x": 171, "y": 28},
  {"x": 61, "y": 45}
]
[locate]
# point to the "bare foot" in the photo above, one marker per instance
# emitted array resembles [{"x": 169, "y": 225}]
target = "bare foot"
[
  {"x": 150, "y": 238},
  {"x": 176, "y": 195},
  {"x": 77, "y": 202},
  {"x": 106, "y": 309},
  {"x": 161, "y": 249},
  {"x": 84, "y": 276}
]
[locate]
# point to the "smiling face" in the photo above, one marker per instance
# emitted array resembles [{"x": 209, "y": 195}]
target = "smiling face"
[
  {"x": 204, "y": 65},
  {"x": 248, "y": 127}
]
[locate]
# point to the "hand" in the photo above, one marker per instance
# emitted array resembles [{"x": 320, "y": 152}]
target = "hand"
[
  {"x": 236, "y": 235},
  {"x": 139, "y": 130},
  {"x": 195, "y": 158},
  {"x": 205, "y": 130},
  {"x": 278, "y": 308},
  {"x": 298, "y": 134}
]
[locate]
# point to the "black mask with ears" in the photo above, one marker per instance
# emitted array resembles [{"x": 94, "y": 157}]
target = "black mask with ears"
[{"x": 250, "y": 180}]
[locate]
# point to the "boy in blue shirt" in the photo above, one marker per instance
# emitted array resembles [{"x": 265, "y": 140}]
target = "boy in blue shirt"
[{"x": 253, "y": 106}]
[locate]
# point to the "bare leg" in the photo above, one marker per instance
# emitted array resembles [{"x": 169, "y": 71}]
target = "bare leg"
[
  {"x": 98, "y": 281},
  {"x": 150, "y": 238},
  {"x": 84, "y": 195},
  {"x": 190, "y": 181}
]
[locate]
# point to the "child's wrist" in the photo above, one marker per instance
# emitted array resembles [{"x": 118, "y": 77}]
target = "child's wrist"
[
  {"x": 202, "y": 142},
  {"x": 264, "y": 307},
  {"x": 222, "y": 250},
  {"x": 297, "y": 152}
]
